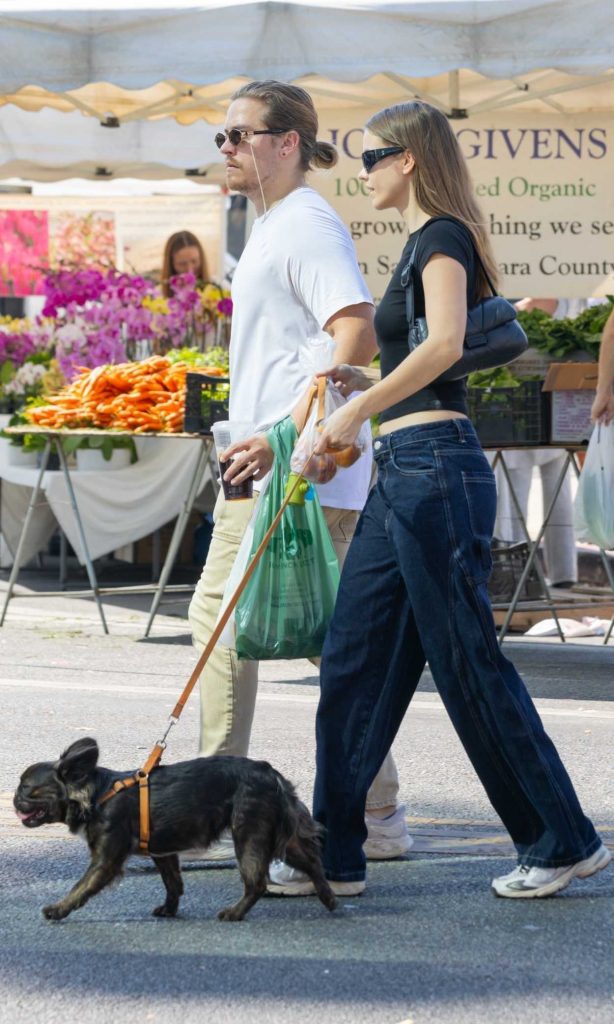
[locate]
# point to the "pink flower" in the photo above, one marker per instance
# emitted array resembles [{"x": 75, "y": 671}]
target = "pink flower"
[{"x": 98, "y": 315}]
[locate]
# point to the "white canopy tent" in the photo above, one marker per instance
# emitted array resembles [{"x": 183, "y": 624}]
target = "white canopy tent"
[
  {"x": 51, "y": 146},
  {"x": 177, "y": 67}
]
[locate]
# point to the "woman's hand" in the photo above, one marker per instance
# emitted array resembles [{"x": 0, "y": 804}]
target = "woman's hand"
[
  {"x": 603, "y": 407},
  {"x": 348, "y": 379},
  {"x": 254, "y": 458},
  {"x": 341, "y": 428}
]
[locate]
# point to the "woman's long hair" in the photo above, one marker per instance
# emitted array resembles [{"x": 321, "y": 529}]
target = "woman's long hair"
[
  {"x": 441, "y": 180},
  {"x": 180, "y": 240}
]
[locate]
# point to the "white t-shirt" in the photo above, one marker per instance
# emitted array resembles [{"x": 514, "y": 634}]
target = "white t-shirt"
[{"x": 297, "y": 270}]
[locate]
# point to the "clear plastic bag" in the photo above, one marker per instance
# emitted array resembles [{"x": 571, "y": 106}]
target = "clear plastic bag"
[
  {"x": 320, "y": 469},
  {"x": 594, "y": 504}
]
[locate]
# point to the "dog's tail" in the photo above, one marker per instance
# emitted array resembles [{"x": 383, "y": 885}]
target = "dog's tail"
[
  {"x": 299, "y": 842},
  {"x": 296, "y": 822}
]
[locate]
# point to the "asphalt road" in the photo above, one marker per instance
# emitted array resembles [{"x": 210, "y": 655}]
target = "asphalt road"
[{"x": 427, "y": 943}]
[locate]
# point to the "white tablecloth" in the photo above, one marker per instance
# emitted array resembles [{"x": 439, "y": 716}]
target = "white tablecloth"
[{"x": 116, "y": 506}]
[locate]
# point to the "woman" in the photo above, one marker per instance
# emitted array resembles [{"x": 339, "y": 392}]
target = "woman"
[
  {"x": 413, "y": 588},
  {"x": 183, "y": 254}
]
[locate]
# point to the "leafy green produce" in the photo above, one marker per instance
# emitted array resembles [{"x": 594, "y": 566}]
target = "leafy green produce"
[
  {"x": 216, "y": 356},
  {"x": 500, "y": 377},
  {"x": 560, "y": 338}
]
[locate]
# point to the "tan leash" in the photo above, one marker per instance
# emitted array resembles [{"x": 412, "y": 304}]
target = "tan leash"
[{"x": 142, "y": 775}]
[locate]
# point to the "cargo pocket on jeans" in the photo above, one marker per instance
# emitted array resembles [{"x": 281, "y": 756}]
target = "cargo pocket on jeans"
[{"x": 481, "y": 496}]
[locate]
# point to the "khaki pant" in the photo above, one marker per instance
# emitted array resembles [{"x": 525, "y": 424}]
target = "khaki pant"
[{"x": 228, "y": 685}]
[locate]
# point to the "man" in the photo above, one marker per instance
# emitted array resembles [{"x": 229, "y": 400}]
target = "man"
[
  {"x": 603, "y": 406},
  {"x": 299, "y": 305}
]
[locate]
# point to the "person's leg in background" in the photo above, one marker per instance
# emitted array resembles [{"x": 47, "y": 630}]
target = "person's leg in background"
[
  {"x": 559, "y": 539},
  {"x": 520, "y": 468},
  {"x": 386, "y": 818},
  {"x": 561, "y": 563}
]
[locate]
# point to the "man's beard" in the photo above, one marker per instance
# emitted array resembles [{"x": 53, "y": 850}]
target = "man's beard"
[{"x": 251, "y": 189}]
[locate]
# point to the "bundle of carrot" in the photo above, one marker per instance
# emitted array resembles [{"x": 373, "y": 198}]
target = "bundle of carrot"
[{"x": 138, "y": 397}]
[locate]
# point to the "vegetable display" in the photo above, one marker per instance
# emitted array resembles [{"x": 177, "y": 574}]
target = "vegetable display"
[
  {"x": 140, "y": 397},
  {"x": 560, "y": 338}
]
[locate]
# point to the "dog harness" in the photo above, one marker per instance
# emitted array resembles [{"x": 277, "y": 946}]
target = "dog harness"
[{"x": 142, "y": 778}]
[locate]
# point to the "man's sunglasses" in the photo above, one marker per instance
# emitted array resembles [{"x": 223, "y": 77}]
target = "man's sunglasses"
[
  {"x": 371, "y": 157},
  {"x": 237, "y": 135}
]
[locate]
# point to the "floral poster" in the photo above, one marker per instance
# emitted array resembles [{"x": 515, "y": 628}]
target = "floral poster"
[
  {"x": 24, "y": 251},
  {"x": 52, "y": 233},
  {"x": 82, "y": 239}
]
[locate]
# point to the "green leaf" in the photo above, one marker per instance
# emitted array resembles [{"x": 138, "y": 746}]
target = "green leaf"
[
  {"x": 107, "y": 448},
  {"x": 70, "y": 444},
  {"x": 7, "y": 371}
]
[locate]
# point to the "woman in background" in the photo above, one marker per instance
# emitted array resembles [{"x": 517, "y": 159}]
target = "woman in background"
[{"x": 183, "y": 254}]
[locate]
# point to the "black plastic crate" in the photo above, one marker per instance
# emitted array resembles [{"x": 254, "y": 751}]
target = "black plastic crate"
[
  {"x": 508, "y": 562},
  {"x": 206, "y": 402},
  {"x": 515, "y": 416}
]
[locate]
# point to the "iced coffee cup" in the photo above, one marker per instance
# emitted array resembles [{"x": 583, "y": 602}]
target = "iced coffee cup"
[{"x": 225, "y": 433}]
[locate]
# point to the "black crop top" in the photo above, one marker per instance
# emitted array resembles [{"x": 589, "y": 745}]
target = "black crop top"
[{"x": 450, "y": 239}]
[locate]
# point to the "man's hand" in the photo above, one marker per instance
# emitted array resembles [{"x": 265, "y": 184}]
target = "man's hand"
[
  {"x": 602, "y": 410},
  {"x": 348, "y": 379},
  {"x": 546, "y": 305},
  {"x": 254, "y": 458}
]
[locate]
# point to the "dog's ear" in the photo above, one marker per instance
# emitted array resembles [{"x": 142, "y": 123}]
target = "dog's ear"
[{"x": 78, "y": 760}]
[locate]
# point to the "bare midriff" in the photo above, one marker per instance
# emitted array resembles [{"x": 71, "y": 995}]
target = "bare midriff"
[{"x": 415, "y": 419}]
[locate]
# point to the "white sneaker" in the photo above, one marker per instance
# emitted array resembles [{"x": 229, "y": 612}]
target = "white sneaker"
[
  {"x": 387, "y": 837},
  {"x": 287, "y": 881},
  {"x": 222, "y": 850},
  {"x": 528, "y": 883}
]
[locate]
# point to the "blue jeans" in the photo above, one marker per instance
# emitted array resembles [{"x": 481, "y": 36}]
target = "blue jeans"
[{"x": 413, "y": 589}]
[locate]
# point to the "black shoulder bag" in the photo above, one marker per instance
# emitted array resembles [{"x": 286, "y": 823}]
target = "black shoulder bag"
[{"x": 493, "y": 335}]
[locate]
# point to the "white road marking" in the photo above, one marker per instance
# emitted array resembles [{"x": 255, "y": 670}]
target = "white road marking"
[{"x": 419, "y": 702}]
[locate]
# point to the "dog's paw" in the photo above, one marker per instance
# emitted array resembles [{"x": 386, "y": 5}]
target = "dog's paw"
[
  {"x": 230, "y": 914},
  {"x": 55, "y": 912},
  {"x": 164, "y": 911}
]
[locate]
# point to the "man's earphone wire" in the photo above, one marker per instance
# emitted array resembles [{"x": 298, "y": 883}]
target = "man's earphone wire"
[{"x": 251, "y": 146}]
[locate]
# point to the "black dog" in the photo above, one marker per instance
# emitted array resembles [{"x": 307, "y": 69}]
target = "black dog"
[{"x": 191, "y": 804}]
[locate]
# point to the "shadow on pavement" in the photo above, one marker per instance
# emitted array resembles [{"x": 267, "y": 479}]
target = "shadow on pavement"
[{"x": 560, "y": 671}]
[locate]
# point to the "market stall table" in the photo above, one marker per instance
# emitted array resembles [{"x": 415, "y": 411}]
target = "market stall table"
[
  {"x": 158, "y": 488},
  {"x": 533, "y": 562}
]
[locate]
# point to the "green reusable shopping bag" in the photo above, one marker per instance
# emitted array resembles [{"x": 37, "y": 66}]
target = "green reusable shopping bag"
[{"x": 285, "y": 608}]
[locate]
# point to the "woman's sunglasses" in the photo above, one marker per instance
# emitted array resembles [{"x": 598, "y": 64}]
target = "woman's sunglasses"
[
  {"x": 237, "y": 135},
  {"x": 371, "y": 157}
]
